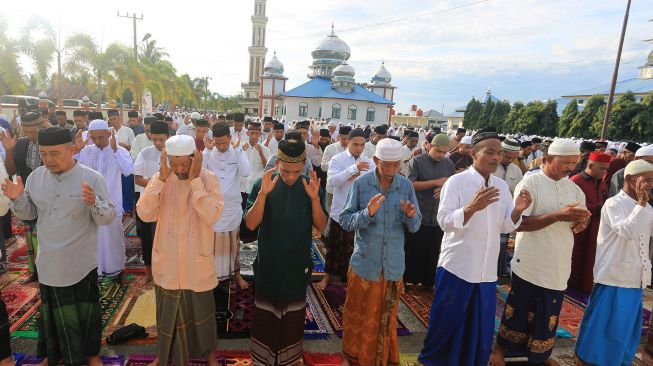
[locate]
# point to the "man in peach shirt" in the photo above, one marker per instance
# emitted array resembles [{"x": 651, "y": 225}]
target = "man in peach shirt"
[{"x": 185, "y": 206}]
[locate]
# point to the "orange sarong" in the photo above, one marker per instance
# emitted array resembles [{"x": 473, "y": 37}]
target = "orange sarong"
[{"x": 370, "y": 321}]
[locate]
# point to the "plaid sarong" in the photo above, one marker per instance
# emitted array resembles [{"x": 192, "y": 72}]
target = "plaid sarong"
[{"x": 70, "y": 326}]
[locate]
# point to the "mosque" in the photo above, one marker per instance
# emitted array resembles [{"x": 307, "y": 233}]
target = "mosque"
[{"x": 331, "y": 91}]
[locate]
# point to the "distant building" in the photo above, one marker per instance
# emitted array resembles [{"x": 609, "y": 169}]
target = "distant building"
[
  {"x": 455, "y": 120},
  {"x": 640, "y": 86},
  {"x": 332, "y": 92},
  {"x": 249, "y": 98}
]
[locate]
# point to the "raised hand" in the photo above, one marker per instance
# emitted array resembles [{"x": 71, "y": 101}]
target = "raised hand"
[
  {"x": 88, "y": 195},
  {"x": 7, "y": 141},
  {"x": 523, "y": 200},
  {"x": 114, "y": 143},
  {"x": 313, "y": 187},
  {"x": 409, "y": 208},
  {"x": 79, "y": 141},
  {"x": 208, "y": 143},
  {"x": 483, "y": 198},
  {"x": 196, "y": 165},
  {"x": 13, "y": 190},
  {"x": 362, "y": 166},
  {"x": 258, "y": 147},
  {"x": 572, "y": 213},
  {"x": 164, "y": 169},
  {"x": 267, "y": 183},
  {"x": 245, "y": 146},
  {"x": 237, "y": 143},
  {"x": 375, "y": 204},
  {"x": 642, "y": 189}
]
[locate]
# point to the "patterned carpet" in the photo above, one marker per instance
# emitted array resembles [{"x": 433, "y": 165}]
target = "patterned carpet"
[{"x": 332, "y": 302}]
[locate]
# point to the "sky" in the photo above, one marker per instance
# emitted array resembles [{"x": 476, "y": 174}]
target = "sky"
[{"x": 439, "y": 52}]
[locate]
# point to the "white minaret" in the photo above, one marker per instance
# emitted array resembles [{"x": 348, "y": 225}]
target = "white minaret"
[{"x": 249, "y": 99}]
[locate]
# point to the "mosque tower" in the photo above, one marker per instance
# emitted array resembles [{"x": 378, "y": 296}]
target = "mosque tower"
[
  {"x": 273, "y": 83},
  {"x": 249, "y": 98}
]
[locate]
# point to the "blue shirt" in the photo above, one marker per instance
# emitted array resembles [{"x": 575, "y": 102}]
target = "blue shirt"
[{"x": 379, "y": 240}]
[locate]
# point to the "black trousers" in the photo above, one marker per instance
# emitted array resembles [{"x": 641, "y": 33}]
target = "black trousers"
[
  {"x": 145, "y": 231},
  {"x": 5, "y": 345},
  {"x": 422, "y": 253}
]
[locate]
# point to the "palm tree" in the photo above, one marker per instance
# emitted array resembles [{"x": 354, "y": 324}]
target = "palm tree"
[
  {"x": 11, "y": 74},
  {"x": 151, "y": 52},
  {"x": 41, "y": 50},
  {"x": 86, "y": 56}
]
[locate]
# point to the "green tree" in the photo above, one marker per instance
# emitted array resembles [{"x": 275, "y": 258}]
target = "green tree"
[
  {"x": 39, "y": 42},
  {"x": 513, "y": 116},
  {"x": 568, "y": 114},
  {"x": 621, "y": 116},
  {"x": 642, "y": 123},
  {"x": 486, "y": 112},
  {"x": 472, "y": 114},
  {"x": 11, "y": 74},
  {"x": 580, "y": 126},
  {"x": 499, "y": 115},
  {"x": 549, "y": 121}
]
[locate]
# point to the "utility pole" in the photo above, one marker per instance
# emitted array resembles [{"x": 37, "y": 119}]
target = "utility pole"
[
  {"x": 134, "y": 18},
  {"x": 608, "y": 107}
]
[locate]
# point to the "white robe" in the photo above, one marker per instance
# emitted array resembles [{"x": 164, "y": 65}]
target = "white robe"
[{"x": 111, "y": 238}]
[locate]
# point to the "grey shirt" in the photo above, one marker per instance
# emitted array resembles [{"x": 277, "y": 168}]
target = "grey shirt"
[
  {"x": 422, "y": 168},
  {"x": 67, "y": 227}
]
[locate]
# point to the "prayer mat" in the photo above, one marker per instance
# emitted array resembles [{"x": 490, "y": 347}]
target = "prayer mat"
[
  {"x": 139, "y": 307},
  {"x": 17, "y": 254},
  {"x": 241, "y": 305},
  {"x": 21, "y": 300},
  {"x": 409, "y": 359},
  {"x": 134, "y": 254},
  {"x": 241, "y": 358},
  {"x": 419, "y": 301},
  {"x": 568, "y": 311},
  {"x": 332, "y": 302},
  {"x": 17, "y": 226},
  {"x": 129, "y": 225},
  {"x": 317, "y": 254},
  {"x": 111, "y": 297},
  {"x": 33, "y": 360},
  {"x": 248, "y": 252}
]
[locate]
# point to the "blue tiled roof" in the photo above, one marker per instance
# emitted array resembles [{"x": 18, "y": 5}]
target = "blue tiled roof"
[
  {"x": 321, "y": 88},
  {"x": 635, "y": 85}
]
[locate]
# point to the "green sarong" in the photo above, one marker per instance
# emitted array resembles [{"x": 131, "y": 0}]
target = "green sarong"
[
  {"x": 186, "y": 325},
  {"x": 70, "y": 326}
]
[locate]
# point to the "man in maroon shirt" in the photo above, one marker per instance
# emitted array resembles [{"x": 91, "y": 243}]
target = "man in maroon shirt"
[
  {"x": 627, "y": 156},
  {"x": 596, "y": 192}
]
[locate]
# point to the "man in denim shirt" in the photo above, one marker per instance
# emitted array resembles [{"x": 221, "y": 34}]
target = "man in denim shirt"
[{"x": 378, "y": 208}]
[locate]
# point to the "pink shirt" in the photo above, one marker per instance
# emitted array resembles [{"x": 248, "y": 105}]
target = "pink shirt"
[{"x": 185, "y": 211}]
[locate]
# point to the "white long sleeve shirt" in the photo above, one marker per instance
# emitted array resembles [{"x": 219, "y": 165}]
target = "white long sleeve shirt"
[
  {"x": 4, "y": 200},
  {"x": 112, "y": 165},
  {"x": 470, "y": 251},
  {"x": 125, "y": 135},
  {"x": 256, "y": 165},
  {"x": 147, "y": 164},
  {"x": 229, "y": 167},
  {"x": 622, "y": 252},
  {"x": 140, "y": 142},
  {"x": 342, "y": 169},
  {"x": 329, "y": 152}
]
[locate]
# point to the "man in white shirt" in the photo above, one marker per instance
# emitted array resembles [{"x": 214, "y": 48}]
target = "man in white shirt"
[
  {"x": 611, "y": 328},
  {"x": 380, "y": 132},
  {"x": 268, "y": 122},
  {"x": 332, "y": 126},
  {"x": 125, "y": 137},
  {"x": 112, "y": 161},
  {"x": 272, "y": 141},
  {"x": 258, "y": 156},
  {"x": 229, "y": 164},
  {"x": 331, "y": 151},
  {"x": 143, "y": 140},
  {"x": 344, "y": 168},
  {"x": 541, "y": 264},
  {"x": 188, "y": 125},
  {"x": 313, "y": 151},
  {"x": 536, "y": 152},
  {"x": 475, "y": 207},
  {"x": 238, "y": 131},
  {"x": 511, "y": 174},
  {"x": 146, "y": 165}
]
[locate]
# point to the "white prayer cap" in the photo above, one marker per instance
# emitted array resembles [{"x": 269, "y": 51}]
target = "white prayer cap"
[
  {"x": 510, "y": 144},
  {"x": 333, "y": 123},
  {"x": 638, "y": 167},
  {"x": 390, "y": 150},
  {"x": 563, "y": 148},
  {"x": 644, "y": 151},
  {"x": 466, "y": 140},
  {"x": 180, "y": 145},
  {"x": 98, "y": 124},
  {"x": 195, "y": 115}
]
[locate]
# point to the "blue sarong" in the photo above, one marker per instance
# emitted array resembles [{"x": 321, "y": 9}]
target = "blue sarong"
[
  {"x": 128, "y": 193},
  {"x": 611, "y": 327},
  {"x": 461, "y": 325}
]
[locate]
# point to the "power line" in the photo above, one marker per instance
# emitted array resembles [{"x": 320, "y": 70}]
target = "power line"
[
  {"x": 134, "y": 18},
  {"x": 438, "y": 11}
]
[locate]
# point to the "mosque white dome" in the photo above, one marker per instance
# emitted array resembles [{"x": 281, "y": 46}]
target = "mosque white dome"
[
  {"x": 344, "y": 70},
  {"x": 273, "y": 66},
  {"x": 332, "y": 48},
  {"x": 382, "y": 76}
]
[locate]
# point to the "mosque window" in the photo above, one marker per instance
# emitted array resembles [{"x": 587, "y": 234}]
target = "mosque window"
[
  {"x": 303, "y": 109},
  {"x": 335, "y": 111},
  {"x": 370, "y": 114},
  {"x": 581, "y": 101},
  {"x": 276, "y": 110},
  {"x": 351, "y": 112}
]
